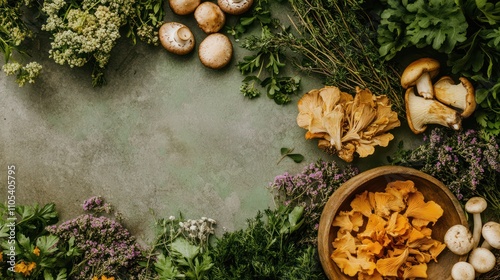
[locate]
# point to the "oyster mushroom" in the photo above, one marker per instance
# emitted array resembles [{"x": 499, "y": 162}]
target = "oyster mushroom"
[
  {"x": 176, "y": 38},
  {"x": 215, "y": 51},
  {"x": 210, "y": 17},
  {"x": 460, "y": 96},
  {"x": 235, "y": 7},
  {"x": 420, "y": 112},
  {"x": 419, "y": 73},
  {"x": 183, "y": 7}
]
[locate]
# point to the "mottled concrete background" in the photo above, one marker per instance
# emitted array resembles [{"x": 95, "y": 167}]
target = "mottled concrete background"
[{"x": 165, "y": 133}]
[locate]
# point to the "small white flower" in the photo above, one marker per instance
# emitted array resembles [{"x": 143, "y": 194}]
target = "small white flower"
[
  {"x": 193, "y": 228},
  {"x": 171, "y": 218}
]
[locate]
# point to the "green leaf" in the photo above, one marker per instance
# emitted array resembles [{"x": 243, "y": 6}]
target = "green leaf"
[
  {"x": 285, "y": 151},
  {"x": 47, "y": 244},
  {"x": 186, "y": 249},
  {"x": 298, "y": 158}
]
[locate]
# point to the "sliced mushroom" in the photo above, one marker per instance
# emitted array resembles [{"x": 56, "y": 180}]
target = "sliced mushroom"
[
  {"x": 210, "y": 17},
  {"x": 215, "y": 51},
  {"x": 235, "y": 7},
  {"x": 183, "y": 7},
  {"x": 419, "y": 73},
  {"x": 176, "y": 38},
  {"x": 420, "y": 112},
  {"x": 460, "y": 96}
]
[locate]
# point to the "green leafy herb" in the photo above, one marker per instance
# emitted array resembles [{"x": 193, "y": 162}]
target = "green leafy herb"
[{"x": 287, "y": 152}]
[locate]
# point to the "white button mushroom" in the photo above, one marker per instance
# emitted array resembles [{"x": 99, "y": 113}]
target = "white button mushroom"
[
  {"x": 215, "y": 51},
  {"x": 458, "y": 239},
  {"x": 463, "y": 271},
  {"x": 460, "y": 96},
  {"x": 210, "y": 17},
  {"x": 475, "y": 206},
  {"x": 482, "y": 259},
  {"x": 491, "y": 235},
  {"x": 183, "y": 7},
  {"x": 235, "y": 7},
  {"x": 176, "y": 38},
  {"x": 419, "y": 73},
  {"x": 421, "y": 111}
]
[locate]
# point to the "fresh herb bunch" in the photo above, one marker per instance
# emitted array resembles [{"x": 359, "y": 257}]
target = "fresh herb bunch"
[
  {"x": 268, "y": 248},
  {"x": 264, "y": 68},
  {"x": 311, "y": 189},
  {"x": 146, "y": 20},
  {"x": 337, "y": 41},
  {"x": 14, "y": 32},
  {"x": 38, "y": 254},
  {"x": 106, "y": 246},
  {"x": 180, "y": 249},
  {"x": 466, "y": 163}
]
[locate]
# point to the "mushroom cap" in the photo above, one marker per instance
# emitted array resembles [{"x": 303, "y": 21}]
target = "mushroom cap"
[
  {"x": 210, "y": 17},
  {"x": 183, "y": 7},
  {"x": 421, "y": 111},
  {"x": 215, "y": 51},
  {"x": 235, "y": 7},
  {"x": 482, "y": 259},
  {"x": 463, "y": 271},
  {"x": 460, "y": 96},
  {"x": 491, "y": 233},
  {"x": 415, "y": 69},
  {"x": 476, "y": 205},
  {"x": 459, "y": 239},
  {"x": 176, "y": 38}
]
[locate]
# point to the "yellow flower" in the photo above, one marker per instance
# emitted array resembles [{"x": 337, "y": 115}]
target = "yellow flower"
[
  {"x": 26, "y": 270},
  {"x": 36, "y": 251},
  {"x": 1, "y": 256},
  {"x": 95, "y": 278},
  {"x": 107, "y": 278}
]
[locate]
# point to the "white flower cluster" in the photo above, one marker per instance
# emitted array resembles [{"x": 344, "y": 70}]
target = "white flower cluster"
[
  {"x": 198, "y": 230},
  {"x": 86, "y": 32},
  {"x": 24, "y": 74}
]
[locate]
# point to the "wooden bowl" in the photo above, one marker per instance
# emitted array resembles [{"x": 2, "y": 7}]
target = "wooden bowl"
[{"x": 376, "y": 180}]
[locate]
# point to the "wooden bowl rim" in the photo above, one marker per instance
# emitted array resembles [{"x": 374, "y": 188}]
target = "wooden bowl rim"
[{"x": 345, "y": 190}]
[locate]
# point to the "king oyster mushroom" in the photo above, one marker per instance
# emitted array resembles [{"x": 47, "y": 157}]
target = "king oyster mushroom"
[
  {"x": 215, "y": 51},
  {"x": 420, "y": 112},
  {"x": 475, "y": 206},
  {"x": 235, "y": 7},
  {"x": 460, "y": 96},
  {"x": 210, "y": 17},
  {"x": 176, "y": 38},
  {"x": 183, "y": 7},
  {"x": 419, "y": 73}
]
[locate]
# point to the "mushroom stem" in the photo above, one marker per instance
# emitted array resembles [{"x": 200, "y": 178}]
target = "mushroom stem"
[
  {"x": 486, "y": 245},
  {"x": 424, "y": 86},
  {"x": 475, "y": 206},
  {"x": 478, "y": 225},
  {"x": 182, "y": 35}
]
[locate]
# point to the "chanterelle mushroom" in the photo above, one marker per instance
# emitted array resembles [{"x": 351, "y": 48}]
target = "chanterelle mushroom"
[
  {"x": 419, "y": 73},
  {"x": 215, "y": 51},
  {"x": 420, "y": 112},
  {"x": 176, "y": 38},
  {"x": 345, "y": 125},
  {"x": 460, "y": 96},
  {"x": 210, "y": 17},
  {"x": 235, "y": 7},
  {"x": 183, "y": 7}
]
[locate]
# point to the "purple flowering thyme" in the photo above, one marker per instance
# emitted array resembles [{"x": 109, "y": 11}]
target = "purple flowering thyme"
[
  {"x": 466, "y": 163},
  {"x": 311, "y": 189}
]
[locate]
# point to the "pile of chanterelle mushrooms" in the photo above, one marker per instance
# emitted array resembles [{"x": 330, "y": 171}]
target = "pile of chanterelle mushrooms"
[
  {"x": 216, "y": 50},
  {"x": 461, "y": 241},
  {"x": 442, "y": 103}
]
